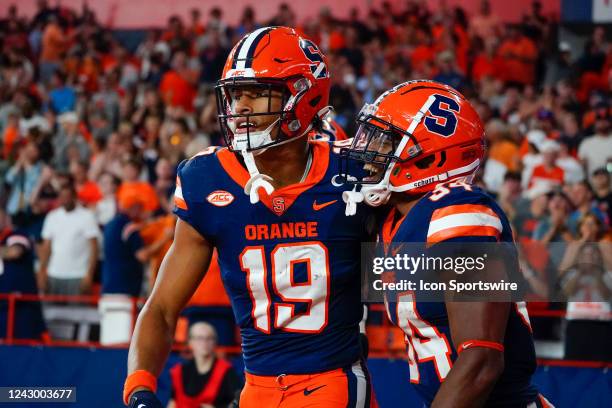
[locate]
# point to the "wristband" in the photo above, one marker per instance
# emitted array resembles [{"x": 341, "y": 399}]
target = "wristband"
[
  {"x": 139, "y": 378},
  {"x": 480, "y": 343}
]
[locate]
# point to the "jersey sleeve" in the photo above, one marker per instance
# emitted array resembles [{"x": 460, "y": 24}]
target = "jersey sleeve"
[
  {"x": 192, "y": 185},
  {"x": 464, "y": 223},
  {"x": 181, "y": 208}
]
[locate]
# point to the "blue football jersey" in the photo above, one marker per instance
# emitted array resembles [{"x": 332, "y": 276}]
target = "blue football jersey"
[
  {"x": 457, "y": 212},
  {"x": 290, "y": 263}
]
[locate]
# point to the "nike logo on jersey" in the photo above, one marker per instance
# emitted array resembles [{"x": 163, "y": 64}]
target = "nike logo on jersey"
[
  {"x": 318, "y": 207},
  {"x": 308, "y": 392}
]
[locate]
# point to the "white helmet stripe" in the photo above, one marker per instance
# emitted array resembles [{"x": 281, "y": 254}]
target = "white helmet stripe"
[{"x": 246, "y": 47}]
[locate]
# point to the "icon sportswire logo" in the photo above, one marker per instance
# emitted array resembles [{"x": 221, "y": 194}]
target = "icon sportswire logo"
[{"x": 220, "y": 198}]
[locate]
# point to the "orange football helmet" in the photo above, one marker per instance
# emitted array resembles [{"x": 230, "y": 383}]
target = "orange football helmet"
[
  {"x": 413, "y": 137},
  {"x": 271, "y": 61},
  {"x": 274, "y": 58}
]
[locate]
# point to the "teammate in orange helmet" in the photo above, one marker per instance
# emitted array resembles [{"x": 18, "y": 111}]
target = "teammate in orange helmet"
[
  {"x": 287, "y": 253},
  {"x": 422, "y": 143}
]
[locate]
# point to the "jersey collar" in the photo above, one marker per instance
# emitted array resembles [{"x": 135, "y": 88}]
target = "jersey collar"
[{"x": 281, "y": 199}]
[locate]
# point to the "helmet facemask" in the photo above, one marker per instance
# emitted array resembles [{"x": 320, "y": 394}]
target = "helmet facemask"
[{"x": 240, "y": 129}]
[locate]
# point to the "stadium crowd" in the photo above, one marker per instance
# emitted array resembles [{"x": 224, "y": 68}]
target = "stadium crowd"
[{"x": 91, "y": 132}]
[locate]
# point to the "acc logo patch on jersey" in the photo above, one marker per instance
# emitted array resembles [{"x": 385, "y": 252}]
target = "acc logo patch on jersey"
[{"x": 220, "y": 198}]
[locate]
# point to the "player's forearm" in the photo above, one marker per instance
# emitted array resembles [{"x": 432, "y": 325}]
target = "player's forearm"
[
  {"x": 470, "y": 380},
  {"x": 152, "y": 340}
]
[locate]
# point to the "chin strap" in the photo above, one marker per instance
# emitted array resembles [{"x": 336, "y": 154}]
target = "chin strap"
[
  {"x": 257, "y": 179},
  {"x": 378, "y": 194},
  {"x": 351, "y": 199}
]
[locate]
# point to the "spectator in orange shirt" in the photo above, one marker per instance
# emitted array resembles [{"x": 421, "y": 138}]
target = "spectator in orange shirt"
[
  {"x": 548, "y": 171},
  {"x": 178, "y": 85},
  {"x": 131, "y": 183},
  {"x": 423, "y": 52},
  {"x": 157, "y": 234},
  {"x": 54, "y": 44},
  {"x": 518, "y": 54},
  {"x": 485, "y": 61}
]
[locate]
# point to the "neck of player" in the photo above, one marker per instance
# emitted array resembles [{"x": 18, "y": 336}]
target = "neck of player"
[
  {"x": 287, "y": 163},
  {"x": 403, "y": 202}
]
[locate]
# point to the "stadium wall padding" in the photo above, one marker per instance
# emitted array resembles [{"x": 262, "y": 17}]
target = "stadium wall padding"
[{"x": 98, "y": 375}]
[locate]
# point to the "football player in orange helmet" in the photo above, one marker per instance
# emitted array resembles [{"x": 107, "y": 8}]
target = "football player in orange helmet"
[
  {"x": 288, "y": 78},
  {"x": 285, "y": 249},
  {"x": 422, "y": 143}
]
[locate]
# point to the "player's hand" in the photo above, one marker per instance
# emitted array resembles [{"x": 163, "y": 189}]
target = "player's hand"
[{"x": 144, "y": 399}]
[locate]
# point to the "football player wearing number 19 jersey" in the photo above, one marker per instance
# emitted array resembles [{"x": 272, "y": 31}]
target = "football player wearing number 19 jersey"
[
  {"x": 422, "y": 142},
  {"x": 288, "y": 255}
]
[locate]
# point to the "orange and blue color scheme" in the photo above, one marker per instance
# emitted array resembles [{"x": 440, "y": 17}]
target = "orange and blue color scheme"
[
  {"x": 290, "y": 264},
  {"x": 461, "y": 213}
]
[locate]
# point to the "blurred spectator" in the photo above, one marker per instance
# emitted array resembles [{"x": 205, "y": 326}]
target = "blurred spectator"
[
  {"x": 178, "y": 85},
  {"x": 31, "y": 118},
  {"x": 603, "y": 191},
  {"x": 352, "y": 51},
  {"x": 503, "y": 154},
  {"x": 548, "y": 171},
  {"x": 69, "y": 143},
  {"x": 157, "y": 233},
  {"x": 485, "y": 24},
  {"x": 370, "y": 84},
  {"x": 54, "y": 45},
  {"x": 560, "y": 68},
  {"x": 62, "y": 98},
  {"x": 571, "y": 135},
  {"x": 124, "y": 251},
  {"x": 69, "y": 252},
  {"x": 110, "y": 156},
  {"x": 247, "y": 23},
  {"x": 88, "y": 191},
  {"x": 17, "y": 276},
  {"x": 123, "y": 268},
  {"x": 554, "y": 227},
  {"x": 106, "y": 207},
  {"x": 530, "y": 152},
  {"x": 447, "y": 71},
  {"x": 586, "y": 280},
  {"x": 596, "y": 151},
  {"x": 518, "y": 53},
  {"x": 573, "y": 172},
  {"x": 530, "y": 211},
  {"x": 107, "y": 99},
  {"x": 23, "y": 178},
  {"x": 206, "y": 381},
  {"x": 131, "y": 183},
  {"x": 581, "y": 196}
]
